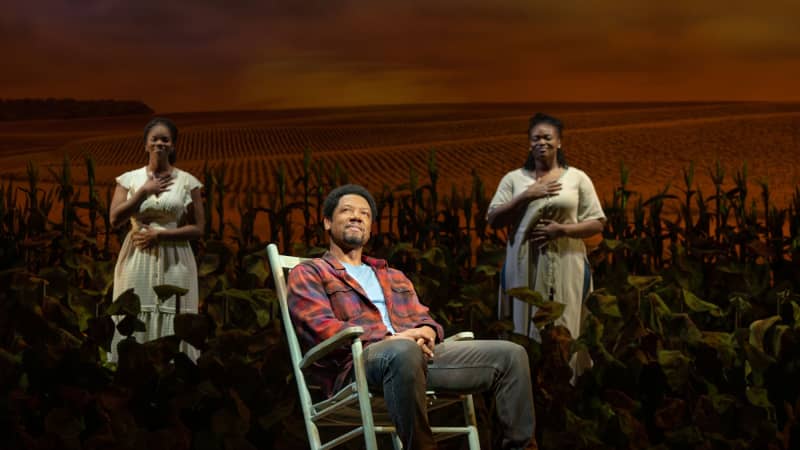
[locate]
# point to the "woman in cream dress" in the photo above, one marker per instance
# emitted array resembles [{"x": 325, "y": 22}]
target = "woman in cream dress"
[
  {"x": 548, "y": 208},
  {"x": 165, "y": 209}
]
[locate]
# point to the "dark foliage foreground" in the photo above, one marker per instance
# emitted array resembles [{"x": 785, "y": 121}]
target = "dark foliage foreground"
[{"x": 693, "y": 329}]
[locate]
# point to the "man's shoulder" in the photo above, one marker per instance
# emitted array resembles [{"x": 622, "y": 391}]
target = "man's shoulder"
[
  {"x": 395, "y": 275},
  {"x": 311, "y": 264}
]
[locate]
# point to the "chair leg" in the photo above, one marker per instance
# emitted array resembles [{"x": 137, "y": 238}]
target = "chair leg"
[
  {"x": 396, "y": 444},
  {"x": 364, "y": 402},
  {"x": 469, "y": 410},
  {"x": 472, "y": 438},
  {"x": 471, "y": 421}
]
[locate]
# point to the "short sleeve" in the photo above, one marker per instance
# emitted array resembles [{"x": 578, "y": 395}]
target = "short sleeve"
[
  {"x": 504, "y": 192},
  {"x": 125, "y": 180},
  {"x": 589, "y": 207},
  {"x": 190, "y": 183}
]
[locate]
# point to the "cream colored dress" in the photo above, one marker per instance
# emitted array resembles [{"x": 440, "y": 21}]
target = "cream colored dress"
[
  {"x": 170, "y": 262},
  {"x": 560, "y": 269}
]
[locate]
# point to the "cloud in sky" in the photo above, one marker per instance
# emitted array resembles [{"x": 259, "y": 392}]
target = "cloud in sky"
[{"x": 205, "y": 54}]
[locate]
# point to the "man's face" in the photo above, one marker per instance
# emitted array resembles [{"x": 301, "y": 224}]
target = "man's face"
[{"x": 350, "y": 224}]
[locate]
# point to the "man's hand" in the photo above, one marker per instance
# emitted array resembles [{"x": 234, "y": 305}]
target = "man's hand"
[{"x": 424, "y": 336}]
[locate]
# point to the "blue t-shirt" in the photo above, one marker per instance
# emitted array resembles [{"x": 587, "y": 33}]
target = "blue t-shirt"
[{"x": 366, "y": 277}]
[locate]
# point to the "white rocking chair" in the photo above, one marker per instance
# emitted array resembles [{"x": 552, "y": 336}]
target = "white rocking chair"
[{"x": 354, "y": 405}]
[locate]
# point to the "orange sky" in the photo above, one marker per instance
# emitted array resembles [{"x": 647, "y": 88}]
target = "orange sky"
[{"x": 189, "y": 55}]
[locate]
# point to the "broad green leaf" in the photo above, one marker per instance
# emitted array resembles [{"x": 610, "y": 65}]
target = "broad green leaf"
[
  {"x": 163, "y": 348},
  {"x": 603, "y": 305},
  {"x": 435, "y": 257},
  {"x": 475, "y": 291},
  {"x": 101, "y": 330},
  {"x": 642, "y": 283},
  {"x": 84, "y": 308},
  {"x": 209, "y": 264},
  {"x": 697, "y": 305},
  {"x": 758, "y": 396},
  {"x": 487, "y": 270},
  {"x": 263, "y": 303},
  {"x": 723, "y": 343},
  {"x": 611, "y": 244},
  {"x": 257, "y": 267},
  {"x": 527, "y": 295},
  {"x": 481, "y": 307},
  {"x": 796, "y": 315},
  {"x": 652, "y": 309},
  {"x": 126, "y": 303},
  {"x": 740, "y": 303},
  {"x": 759, "y": 328},
  {"x": 777, "y": 339},
  {"x": 759, "y": 361},
  {"x": 547, "y": 313},
  {"x": 59, "y": 314},
  {"x": 192, "y": 328},
  {"x": 130, "y": 325},
  {"x": 675, "y": 366},
  {"x": 722, "y": 402},
  {"x": 658, "y": 304},
  {"x": 584, "y": 430},
  {"x": 167, "y": 291},
  {"x": 592, "y": 333},
  {"x": 680, "y": 327},
  {"x": 86, "y": 263},
  {"x": 58, "y": 281}
]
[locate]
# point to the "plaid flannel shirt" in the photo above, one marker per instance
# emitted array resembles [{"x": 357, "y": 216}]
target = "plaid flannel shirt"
[{"x": 324, "y": 299}]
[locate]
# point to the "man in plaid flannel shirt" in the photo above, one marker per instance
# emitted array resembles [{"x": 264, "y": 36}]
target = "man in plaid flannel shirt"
[{"x": 403, "y": 354}]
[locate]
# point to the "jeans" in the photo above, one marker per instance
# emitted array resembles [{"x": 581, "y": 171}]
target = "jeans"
[{"x": 400, "y": 369}]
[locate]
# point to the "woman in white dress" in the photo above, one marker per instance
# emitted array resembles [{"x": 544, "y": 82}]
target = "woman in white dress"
[
  {"x": 165, "y": 209},
  {"x": 548, "y": 207}
]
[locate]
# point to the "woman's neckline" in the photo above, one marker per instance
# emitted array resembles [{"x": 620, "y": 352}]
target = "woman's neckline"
[
  {"x": 171, "y": 172},
  {"x": 532, "y": 173}
]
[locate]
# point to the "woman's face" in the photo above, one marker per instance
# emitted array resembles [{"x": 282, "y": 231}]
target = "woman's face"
[
  {"x": 159, "y": 142},
  {"x": 544, "y": 141}
]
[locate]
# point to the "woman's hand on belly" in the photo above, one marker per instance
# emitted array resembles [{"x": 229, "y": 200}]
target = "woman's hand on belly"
[
  {"x": 145, "y": 238},
  {"x": 546, "y": 230}
]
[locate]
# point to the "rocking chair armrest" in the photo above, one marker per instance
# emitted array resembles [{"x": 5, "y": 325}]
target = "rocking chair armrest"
[
  {"x": 462, "y": 336},
  {"x": 348, "y": 335}
]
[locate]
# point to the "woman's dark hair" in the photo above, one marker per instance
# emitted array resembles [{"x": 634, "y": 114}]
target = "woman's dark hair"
[
  {"x": 539, "y": 118},
  {"x": 173, "y": 132},
  {"x": 330, "y": 203}
]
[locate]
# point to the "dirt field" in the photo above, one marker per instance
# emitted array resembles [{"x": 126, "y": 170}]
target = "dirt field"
[{"x": 377, "y": 146}]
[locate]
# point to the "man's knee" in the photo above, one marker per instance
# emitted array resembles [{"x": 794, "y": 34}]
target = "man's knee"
[
  {"x": 404, "y": 353},
  {"x": 516, "y": 354}
]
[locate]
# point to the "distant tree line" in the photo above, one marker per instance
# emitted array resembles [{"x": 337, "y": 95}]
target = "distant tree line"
[{"x": 67, "y": 108}]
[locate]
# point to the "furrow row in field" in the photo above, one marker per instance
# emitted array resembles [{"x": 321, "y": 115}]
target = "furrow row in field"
[
  {"x": 655, "y": 154},
  {"x": 231, "y": 143},
  {"x": 655, "y": 158}
]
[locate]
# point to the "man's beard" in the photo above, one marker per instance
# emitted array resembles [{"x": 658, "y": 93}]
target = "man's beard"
[{"x": 353, "y": 240}]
